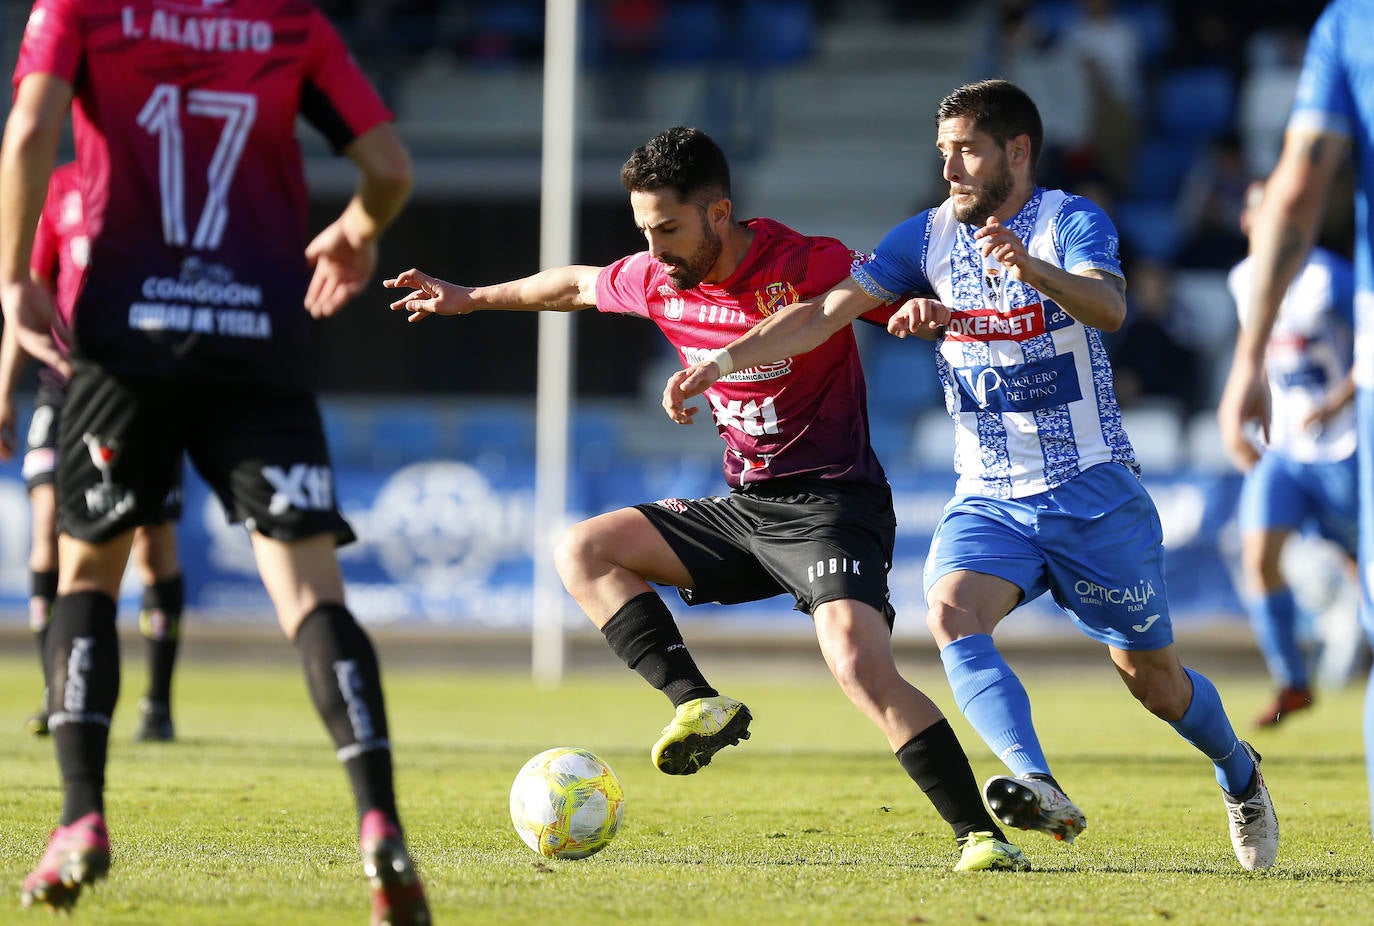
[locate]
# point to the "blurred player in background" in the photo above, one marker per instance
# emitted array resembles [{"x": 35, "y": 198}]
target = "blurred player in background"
[
  {"x": 1049, "y": 496},
  {"x": 1306, "y": 472},
  {"x": 191, "y": 335},
  {"x": 809, "y": 511},
  {"x": 60, "y": 252},
  {"x": 1333, "y": 114}
]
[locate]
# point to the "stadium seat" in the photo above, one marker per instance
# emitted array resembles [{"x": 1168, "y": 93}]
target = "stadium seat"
[
  {"x": 774, "y": 33},
  {"x": 1160, "y": 166},
  {"x": 1148, "y": 227},
  {"x": 1195, "y": 103},
  {"x": 689, "y": 33},
  {"x": 1153, "y": 27}
]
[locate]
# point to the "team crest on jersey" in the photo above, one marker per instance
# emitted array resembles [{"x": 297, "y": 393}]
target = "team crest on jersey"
[{"x": 774, "y": 296}]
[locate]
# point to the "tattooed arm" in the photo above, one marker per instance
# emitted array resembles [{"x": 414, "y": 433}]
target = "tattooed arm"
[{"x": 1281, "y": 235}]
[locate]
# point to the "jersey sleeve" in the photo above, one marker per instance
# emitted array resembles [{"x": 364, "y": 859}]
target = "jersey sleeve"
[
  {"x": 897, "y": 267},
  {"x": 51, "y": 42},
  {"x": 622, "y": 287},
  {"x": 337, "y": 98},
  {"x": 1323, "y": 101},
  {"x": 1087, "y": 239}
]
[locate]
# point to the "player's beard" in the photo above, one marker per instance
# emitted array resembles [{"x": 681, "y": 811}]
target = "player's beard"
[
  {"x": 686, "y": 274},
  {"x": 989, "y": 197}
]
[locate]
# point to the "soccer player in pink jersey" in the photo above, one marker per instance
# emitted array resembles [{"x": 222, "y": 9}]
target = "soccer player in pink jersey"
[
  {"x": 60, "y": 252},
  {"x": 809, "y": 512},
  {"x": 190, "y": 335},
  {"x": 1016, "y": 282}
]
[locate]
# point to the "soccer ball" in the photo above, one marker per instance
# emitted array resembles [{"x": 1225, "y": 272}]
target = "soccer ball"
[{"x": 566, "y": 803}]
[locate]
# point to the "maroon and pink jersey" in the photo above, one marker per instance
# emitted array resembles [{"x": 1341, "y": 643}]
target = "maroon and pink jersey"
[
  {"x": 192, "y": 180},
  {"x": 804, "y": 416},
  {"x": 61, "y": 249}
]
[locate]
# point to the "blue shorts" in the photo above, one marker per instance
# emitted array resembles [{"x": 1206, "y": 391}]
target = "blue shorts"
[
  {"x": 1281, "y": 493},
  {"x": 1094, "y": 542}
]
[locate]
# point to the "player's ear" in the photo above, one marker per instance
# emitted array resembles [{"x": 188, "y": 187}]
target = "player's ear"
[
  {"x": 1019, "y": 149},
  {"x": 718, "y": 213}
]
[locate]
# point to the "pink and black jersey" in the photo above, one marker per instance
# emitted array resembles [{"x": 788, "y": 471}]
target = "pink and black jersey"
[
  {"x": 806, "y": 416},
  {"x": 192, "y": 181},
  {"x": 61, "y": 249}
]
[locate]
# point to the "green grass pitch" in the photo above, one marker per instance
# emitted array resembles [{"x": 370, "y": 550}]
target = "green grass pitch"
[{"x": 248, "y": 818}]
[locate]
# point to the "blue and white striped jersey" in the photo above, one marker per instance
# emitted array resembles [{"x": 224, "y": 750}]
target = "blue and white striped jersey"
[
  {"x": 1309, "y": 353},
  {"x": 1029, "y": 387}
]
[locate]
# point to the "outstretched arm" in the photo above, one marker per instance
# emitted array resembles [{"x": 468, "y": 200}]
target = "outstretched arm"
[
  {"x": 560, "y": 289},
  {"x": 793, "y": 330},
  {"x": 1281, "y": 235}
]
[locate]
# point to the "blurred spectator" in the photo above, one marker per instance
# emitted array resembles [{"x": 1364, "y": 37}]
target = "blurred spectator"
[
  {"x": 1210, "y": 203},
  {"x": 1019, "y": 50},
  {"x": 1153, "y": 355},
  {"x": 1108, "y": 50},
  {"x": 629, "y": 33}
]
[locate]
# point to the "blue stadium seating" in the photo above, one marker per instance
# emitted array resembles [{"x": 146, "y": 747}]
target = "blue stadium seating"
[
  {"x": 1195, "y": 103},
  {"x": 1160, "y": 166},
  {"x": 1148, "y": 228}
]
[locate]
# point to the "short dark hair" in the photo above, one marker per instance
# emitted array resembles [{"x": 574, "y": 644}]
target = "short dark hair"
[
  {"x": 997, "y": 107},
  {"x": 683, "y": 159}
]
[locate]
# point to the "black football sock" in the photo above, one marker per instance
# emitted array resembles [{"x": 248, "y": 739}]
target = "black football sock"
[
  {"x": 42, "y": 593},
  {"x": 644, "y": 635},
  {"x": 937, "y": 763},
  {"x": 345, "y": 683},
  {"x": 160, "y": 622},
  {"x": 83, "y": 665}
]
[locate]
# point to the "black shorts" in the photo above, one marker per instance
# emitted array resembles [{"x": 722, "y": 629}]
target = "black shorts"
[
  {"x": 40, "y": 454},
  {"x": 262, "y": 450},
  {"x": 816, "y": 539}
]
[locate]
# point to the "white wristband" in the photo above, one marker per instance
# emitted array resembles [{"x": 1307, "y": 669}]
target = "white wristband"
[{"x": 723, "y": 361}]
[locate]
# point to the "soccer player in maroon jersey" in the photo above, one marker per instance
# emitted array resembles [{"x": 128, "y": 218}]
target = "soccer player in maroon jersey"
[
  {"x": 59, "y": 258},
  {"x": 809, "y": 512},
  {"x": 191, "y": 335}
]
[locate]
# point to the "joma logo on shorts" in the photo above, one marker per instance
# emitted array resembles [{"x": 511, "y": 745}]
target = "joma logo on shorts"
[
  {"x": 303, "y": 486},
  {"x": 832, "y": 567}
]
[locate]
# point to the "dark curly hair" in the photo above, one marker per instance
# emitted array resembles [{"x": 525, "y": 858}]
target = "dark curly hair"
[
  {"x": 682, "y": 159},
  {"x": 997, "y": 107}
]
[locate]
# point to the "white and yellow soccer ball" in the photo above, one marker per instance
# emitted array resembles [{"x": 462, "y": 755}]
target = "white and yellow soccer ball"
[{"x": 566, "y": 803}]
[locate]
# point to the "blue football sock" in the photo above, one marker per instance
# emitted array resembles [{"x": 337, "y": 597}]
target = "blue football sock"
[
  {"x": 994, "y": 701},
  {"x": 1274, "y": 618},
  {"x": 1207, "y": 727}
]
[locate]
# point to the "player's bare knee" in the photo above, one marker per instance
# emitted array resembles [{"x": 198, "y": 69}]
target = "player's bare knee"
[{"x": 575, "y": 555}]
